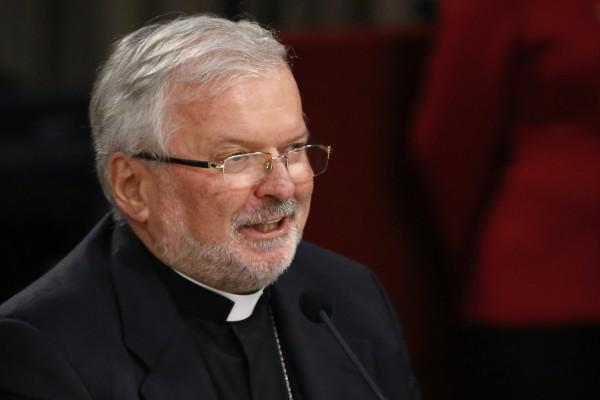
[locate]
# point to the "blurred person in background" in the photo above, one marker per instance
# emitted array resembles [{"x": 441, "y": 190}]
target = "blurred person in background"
[{"x": 508, "y": 141}]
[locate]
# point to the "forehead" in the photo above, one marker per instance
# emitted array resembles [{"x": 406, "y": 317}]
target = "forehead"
[{"x": 261, "y": 110}]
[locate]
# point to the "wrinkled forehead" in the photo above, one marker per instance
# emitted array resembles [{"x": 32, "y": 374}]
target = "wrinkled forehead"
[
  {"x": 191, "y": 83},
  {"x": 247, "y": 106}
]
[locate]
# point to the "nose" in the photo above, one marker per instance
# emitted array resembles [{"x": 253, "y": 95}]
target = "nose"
[{"x": 277, "y": 183}]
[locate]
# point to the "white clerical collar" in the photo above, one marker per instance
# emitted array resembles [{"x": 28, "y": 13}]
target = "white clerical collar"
[{"x": 243, "y": 304}]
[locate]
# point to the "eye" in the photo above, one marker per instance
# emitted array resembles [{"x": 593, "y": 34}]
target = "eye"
[
  {"x": 297, "y": 146},
  {"x": 234, "y": 153}
]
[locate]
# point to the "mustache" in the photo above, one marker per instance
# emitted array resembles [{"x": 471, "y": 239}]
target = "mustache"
[{"x": 272, "y": 209}]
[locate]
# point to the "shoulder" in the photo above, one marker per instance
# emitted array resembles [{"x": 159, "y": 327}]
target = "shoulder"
[
  {"x": 318, "y": 260},
  {"x": 359, "y": 303},
  {"x": 349, "y": 282},
  {"x": 319, "y": 268},
  {"x": 26, "y": 356},
  {"x": 68, "y": 291},
  {"x": 47, "y": 325}
]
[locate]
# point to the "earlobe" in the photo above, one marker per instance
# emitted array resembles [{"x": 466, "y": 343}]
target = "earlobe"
[{"x": 127, "y": 179}]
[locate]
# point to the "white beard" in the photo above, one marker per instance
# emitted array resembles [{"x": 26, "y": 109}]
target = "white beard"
[{"x": 238, "y": 265}]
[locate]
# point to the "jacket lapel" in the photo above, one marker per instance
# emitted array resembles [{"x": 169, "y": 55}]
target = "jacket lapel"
[
  {"x": 322, "y": 369},
  {"x": 153, "y": 329},
  {"x": 180, "y": 374}
]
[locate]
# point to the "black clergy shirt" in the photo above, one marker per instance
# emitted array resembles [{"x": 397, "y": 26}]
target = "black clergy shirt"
[{"x": 241, "y": 357}]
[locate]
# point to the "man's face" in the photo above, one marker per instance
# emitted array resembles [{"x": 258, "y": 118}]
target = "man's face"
[{"x": 232, "y": 239}]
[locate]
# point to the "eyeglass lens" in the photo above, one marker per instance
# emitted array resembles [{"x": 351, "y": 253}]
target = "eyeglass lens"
[{"x": 248, "y": 169}]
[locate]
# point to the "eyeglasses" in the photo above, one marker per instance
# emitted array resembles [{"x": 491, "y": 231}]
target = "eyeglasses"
[{"x": 244, "y": 170}]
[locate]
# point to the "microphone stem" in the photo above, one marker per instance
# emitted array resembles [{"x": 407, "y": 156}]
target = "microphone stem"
[{"x": 350, "y": 354}]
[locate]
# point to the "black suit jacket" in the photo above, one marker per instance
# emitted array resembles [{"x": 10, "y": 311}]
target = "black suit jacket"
[{"x": 101, "y": 325}]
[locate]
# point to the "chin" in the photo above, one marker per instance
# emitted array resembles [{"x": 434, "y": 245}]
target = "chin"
[
  {"x": 266, "y": 256},
  {"x": 266, "y": 260}
]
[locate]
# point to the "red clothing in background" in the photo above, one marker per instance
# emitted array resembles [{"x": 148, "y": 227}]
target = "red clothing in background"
[{"x": 508, "y": 137}]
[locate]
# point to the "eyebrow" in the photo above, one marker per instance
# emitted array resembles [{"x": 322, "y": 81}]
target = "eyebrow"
[
  {"x": 248, "y": 143},
  {"x": 305, "y": 134}
]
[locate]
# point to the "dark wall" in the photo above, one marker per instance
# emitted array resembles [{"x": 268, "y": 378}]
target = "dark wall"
[{"x": 50, "y": 195}]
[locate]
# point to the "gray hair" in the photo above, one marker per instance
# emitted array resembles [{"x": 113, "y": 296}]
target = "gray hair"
[{"x": 131, "y": 92}]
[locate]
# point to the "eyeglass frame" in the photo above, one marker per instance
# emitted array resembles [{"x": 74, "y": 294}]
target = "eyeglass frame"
[{"x": 209, "y": 164}]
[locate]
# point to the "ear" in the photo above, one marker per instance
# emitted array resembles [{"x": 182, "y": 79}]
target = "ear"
[{"x": 128, "y": 177}]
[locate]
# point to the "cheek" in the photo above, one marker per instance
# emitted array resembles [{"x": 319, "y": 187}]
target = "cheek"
[
  {"x": 303, "y": 196},
  {"x": 304, "y": 191},
  {"x": 208, "y": 204},
  {"x": 197, "y": 202}
]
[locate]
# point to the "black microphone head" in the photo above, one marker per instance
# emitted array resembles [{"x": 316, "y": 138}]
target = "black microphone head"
[{"x": 312, "y": 302}]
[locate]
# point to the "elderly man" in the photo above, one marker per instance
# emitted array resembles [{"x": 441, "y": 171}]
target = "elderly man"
[{"x": 203, "y": 151}]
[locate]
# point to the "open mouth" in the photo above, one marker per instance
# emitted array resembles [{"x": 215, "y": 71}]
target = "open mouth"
[
  {"x": 273, "y": 220},
  {"x": 268, "y": 229},
  {"x": 269, "y": 226}
]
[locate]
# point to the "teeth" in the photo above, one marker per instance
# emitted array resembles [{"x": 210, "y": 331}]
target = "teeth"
[{"x": 267, "y": 226}]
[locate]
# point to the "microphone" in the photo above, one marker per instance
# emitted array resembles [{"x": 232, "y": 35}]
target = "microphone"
[{"x": 318, "y": 308}]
